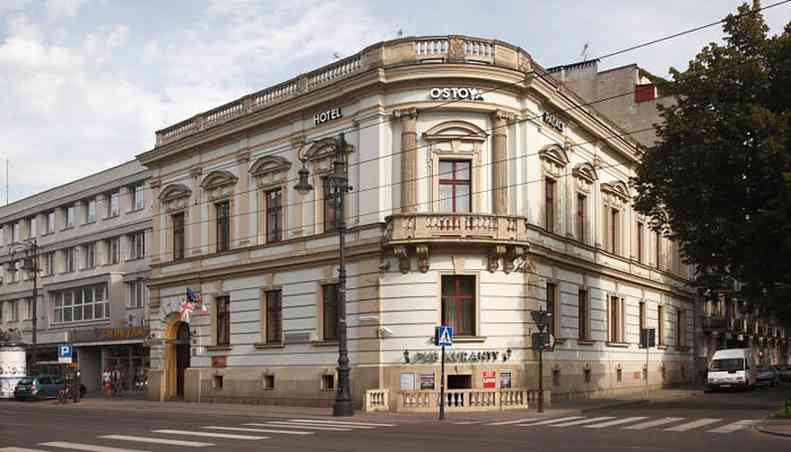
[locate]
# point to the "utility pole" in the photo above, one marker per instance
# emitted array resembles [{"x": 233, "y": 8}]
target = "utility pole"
[{"x": 30, "y": 264}]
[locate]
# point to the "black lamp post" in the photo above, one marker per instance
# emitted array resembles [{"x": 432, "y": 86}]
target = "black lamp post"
[
  {"x": 541, "y": 319},
  {"x": 29, "y": 263},
  {"x": 338, "y": 183}
]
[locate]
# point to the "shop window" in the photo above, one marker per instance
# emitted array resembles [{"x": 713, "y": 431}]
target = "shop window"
[
  {"x": 455, "y": 185},
  {"x": 223, "y": 320},
  {"x": 330, "y": 312},
  {"x": 217, "y": 382},
  {"x": 328, "y": 382},
  {"x": 459, "y": 381},
  {"x": 274, "y": 216},
  {"x": 223, "y": 210},
  {"x": 458, "y": 304},
  {"x": 269, "y": 382}
]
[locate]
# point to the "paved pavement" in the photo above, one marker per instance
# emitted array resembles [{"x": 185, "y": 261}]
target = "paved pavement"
[{"x": 722, "y": 422}]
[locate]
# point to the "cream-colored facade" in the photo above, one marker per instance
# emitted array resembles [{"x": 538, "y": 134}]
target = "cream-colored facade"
[{"x": 547, "y": 222}]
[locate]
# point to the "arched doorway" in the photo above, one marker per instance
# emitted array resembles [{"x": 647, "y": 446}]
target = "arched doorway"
[{"x": 182, "y": 355}]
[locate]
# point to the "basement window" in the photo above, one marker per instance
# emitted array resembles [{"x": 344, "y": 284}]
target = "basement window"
[
  {"x": 269, "y": 382},
  {"x": 217, "y": 382},
  {"x": 328, "y": 382}
]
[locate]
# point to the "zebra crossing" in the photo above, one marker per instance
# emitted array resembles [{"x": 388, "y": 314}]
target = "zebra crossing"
[
  {"x": 668, "y": 424},
  {"x": 204, "y": 436}
]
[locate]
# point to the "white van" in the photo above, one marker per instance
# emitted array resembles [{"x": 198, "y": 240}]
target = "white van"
[{"x": 732, "y": 368}]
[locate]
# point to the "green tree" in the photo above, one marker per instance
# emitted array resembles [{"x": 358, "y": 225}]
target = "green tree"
[{"x": 718, "y": 180}]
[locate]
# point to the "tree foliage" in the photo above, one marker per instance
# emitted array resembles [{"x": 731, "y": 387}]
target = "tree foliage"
[{"x": 718, "y": 180}]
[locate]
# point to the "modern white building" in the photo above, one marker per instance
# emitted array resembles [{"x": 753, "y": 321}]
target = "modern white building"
[
  {"x": 92, "y": 236},
  {"x": 483, "y": 189}
]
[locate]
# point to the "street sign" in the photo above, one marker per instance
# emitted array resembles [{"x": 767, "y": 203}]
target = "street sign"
[
  {"x": 443, "y": 335},
  {"x": 647, "y": 337},
  {"x": 65, "y": 354}
]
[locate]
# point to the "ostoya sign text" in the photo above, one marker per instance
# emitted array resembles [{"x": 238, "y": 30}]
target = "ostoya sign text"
[
  {"x": 456, "y": 93},
  {"x": 327, "y": 115}
]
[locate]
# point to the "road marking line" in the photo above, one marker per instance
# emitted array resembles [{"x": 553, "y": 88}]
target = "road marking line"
[
  {"x": 302, "y": 426},
  {"x": 693, "y": 424},
  {"x": 20, "y": 449},
  {"x": 617, "y": 422},
  {"x": 343, "y": 423},
  {"x": 466, "y": 422},
  {"x": 583, "y": 421},
  {"x": 551, "y": 421},
  {"x": 209, "y": 434},
  {"x": 734, "y": 426},
  {"x": 323, "y": 424},
  {"x": 145, "y": 439},
  {"x": 512, "y": 422},
  {"x": 656, "y": 423},
  {"x": 88, "y": 447},
  {"x": 258, "y": 430}
]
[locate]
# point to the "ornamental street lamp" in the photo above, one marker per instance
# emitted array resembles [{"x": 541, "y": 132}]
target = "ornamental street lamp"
[
  {"x": 541, "y": 318},
  {"x": 338, "y": 184},
  {"x": 27, "y": 261}
]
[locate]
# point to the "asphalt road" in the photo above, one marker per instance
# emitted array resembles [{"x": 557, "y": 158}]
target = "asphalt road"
[{"x": 711, "y": 422}]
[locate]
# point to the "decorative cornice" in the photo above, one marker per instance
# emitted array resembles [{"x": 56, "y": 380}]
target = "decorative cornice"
[{"x": 405, "y": 113}]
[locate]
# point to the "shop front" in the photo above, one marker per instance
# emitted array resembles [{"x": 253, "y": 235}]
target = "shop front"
[{"x": 120, "y": 351}]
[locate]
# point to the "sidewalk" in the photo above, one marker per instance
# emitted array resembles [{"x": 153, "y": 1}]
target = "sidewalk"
[
  {"x": 561, "y": 408},
  {"x": 778, "y": 427}
]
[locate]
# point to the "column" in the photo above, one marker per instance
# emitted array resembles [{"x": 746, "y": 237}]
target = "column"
[
  {"x": 408, "y": 118},
  {"x": 243, "y": 207},
  {"x": 155, "y": 186},
  {"x": 500, "y": 121}
]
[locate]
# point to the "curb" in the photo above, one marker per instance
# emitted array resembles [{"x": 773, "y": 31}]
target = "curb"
[{"x": 762, "y": 428}]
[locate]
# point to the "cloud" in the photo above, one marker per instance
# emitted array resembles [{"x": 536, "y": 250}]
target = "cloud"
[{"x": 62, "y": 9}]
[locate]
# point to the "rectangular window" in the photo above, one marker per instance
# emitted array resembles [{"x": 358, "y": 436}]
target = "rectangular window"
[
  {"x": 138, "y": 197},
  {"x": 658, "y": 251},
  {"x": 69, "y": 214},
  {"x": 274, "y": 314},
  {"x": 138, "y": 245},
  {"x": 113, "y": 203},
  {"x": 552, "y": 307},
  {"x": 455, "y": 186},
  {"x": 49, "y": 263},
  {"x": 90, "y": 255},
  {"x": 27, "y": 312},
  {"x": 51, "y": 221},
  {"x": 223, "y": 226},
  {"x": 17, "y": 232},
  {"x": 31, "y": 227},
  {"x": 614, "y": 232},
  {"x": 13, "y": 311},
  {"x": 660, "y": 330},
  {"x": 2, "y": 312},
  {"x": 330, "y": 206},
  {"x": 681, "y": 327},
  {"x": 642, "y": 316},
  {"x": 82, "y": 303},
  {"x": 582, "y": 219},
  {"x": 549, "y": 204},
  {"x": 640, "y": 242},
  {"x": 91, "y": 210},
  {"x": 178, "y": 236},
  {"x": 615, "y": 309},
  {"x": 458, "y": 304},
  {"x": 68, "y": 255},
  {"x": 330, "y": 311},
  {"x": 274, "y": 220},
  {"x": 582, "y": 300},
  {"x": 115, "y": 250},
  {"x": 224, "y": 320},
  {"x": 138, "y": 294}
]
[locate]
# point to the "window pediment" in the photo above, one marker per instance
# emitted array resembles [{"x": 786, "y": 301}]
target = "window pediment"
[
  {"x": 269, "y": 170},
  {"x": 616, "y": 191},
  {"x": 218, "y": 178},
  {"x": 584, "y": 176},
  {"x": 455, "y": 130},
  {"x": 554, "y": 158},
  {"x": 175, "y": 197}
]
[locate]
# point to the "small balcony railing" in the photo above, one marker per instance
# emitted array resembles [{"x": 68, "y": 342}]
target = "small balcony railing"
[{"x": 454, "y": 227}]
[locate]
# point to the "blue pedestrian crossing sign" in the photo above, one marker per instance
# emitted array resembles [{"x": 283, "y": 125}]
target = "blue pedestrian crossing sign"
[
  {"x": 443, "y": 335},
  {"x": 65, "y": 353}
]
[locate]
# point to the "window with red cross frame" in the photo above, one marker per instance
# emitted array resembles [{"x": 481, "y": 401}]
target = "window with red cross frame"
[
  {"x": 458, "y": 304},
  {"x": 455, "y": 186}
]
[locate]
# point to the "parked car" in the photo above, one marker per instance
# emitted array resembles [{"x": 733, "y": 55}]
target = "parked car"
[
  {"x": 784, "y": 373},
  {"x": 39, "y": 387},
  {"x": 767, "y": 376}
]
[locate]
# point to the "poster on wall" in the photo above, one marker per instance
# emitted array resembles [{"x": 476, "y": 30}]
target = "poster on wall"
[
  {"x": 407, "y": 381},
  {"x": 427, "y": 381},
  {"x": 505, "y": 379},
  {"x": 489, "y": 379}
]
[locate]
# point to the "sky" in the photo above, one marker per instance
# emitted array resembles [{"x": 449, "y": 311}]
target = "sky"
[{"x": 84, "y": 84}]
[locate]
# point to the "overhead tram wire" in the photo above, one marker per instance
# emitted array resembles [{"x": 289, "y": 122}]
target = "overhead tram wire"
[{"x": 335, "y": 132}]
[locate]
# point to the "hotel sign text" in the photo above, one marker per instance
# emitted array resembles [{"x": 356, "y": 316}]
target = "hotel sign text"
[{"x": 327, "y": 115}]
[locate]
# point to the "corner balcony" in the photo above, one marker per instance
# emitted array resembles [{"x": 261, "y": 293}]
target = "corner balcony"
[
  {"x": 714, "y": 324},
  {"x": 504, "y": 237}
]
